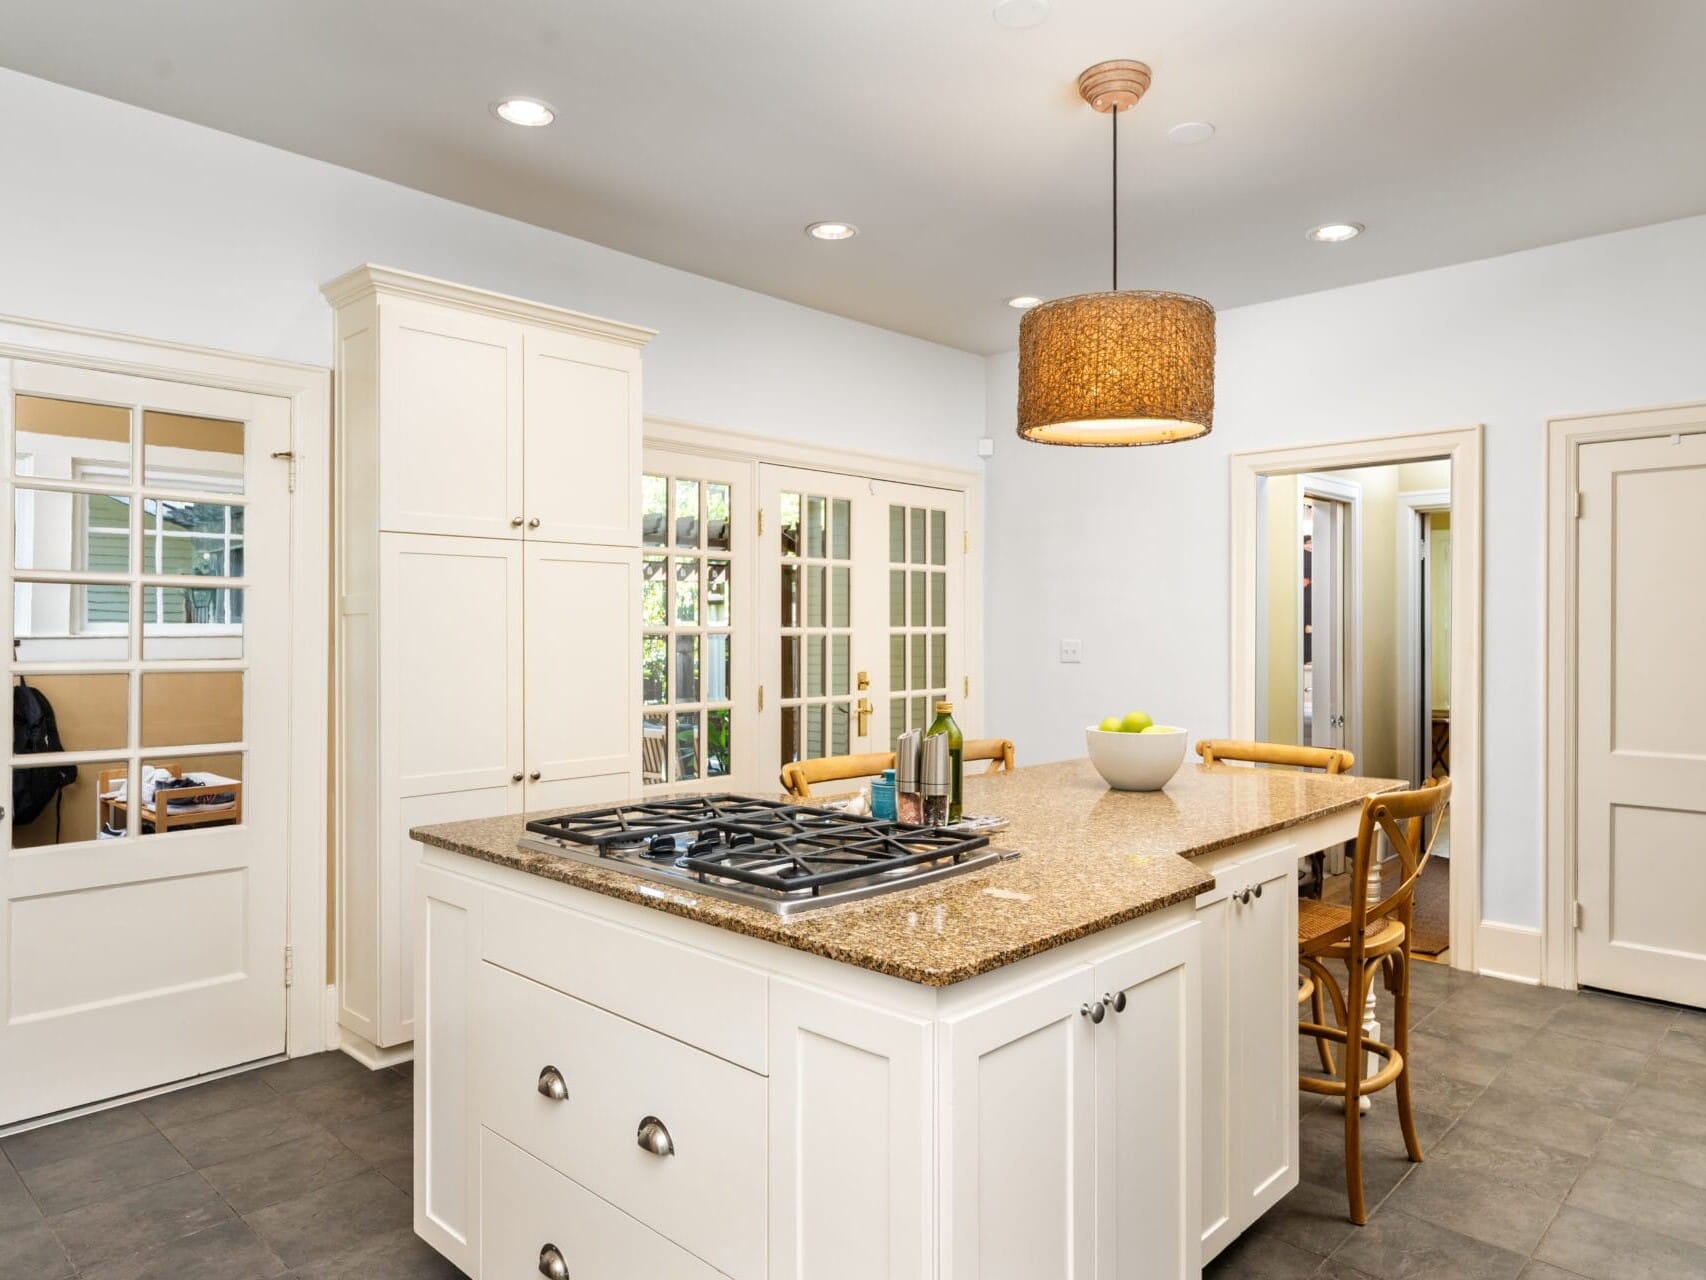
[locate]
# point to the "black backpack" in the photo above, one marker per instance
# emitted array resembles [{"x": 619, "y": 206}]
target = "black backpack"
[{"x": 35, "y": 731}]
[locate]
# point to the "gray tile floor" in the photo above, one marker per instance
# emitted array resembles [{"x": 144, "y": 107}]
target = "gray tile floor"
[
  {"x": 300, "y": 1170},
  {"x": 1565, "y": 1137}
]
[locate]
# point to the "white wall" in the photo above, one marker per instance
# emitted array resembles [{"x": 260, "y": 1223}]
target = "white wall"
[
  {"x": 1126, "y": 550},
  {"x": 119, "y": 219}
]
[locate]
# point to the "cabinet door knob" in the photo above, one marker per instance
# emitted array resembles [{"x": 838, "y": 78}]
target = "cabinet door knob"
[
  {"x": 1116, "y": 1001},
  {"x": 551, "y": 1263},
  {"x": 515, "y": 522},
  {"x": 515, "y": 777},
  {"x": 533, "y": 523},
  {"x": 1244, "y": 895},
  {"x": 534, "y": 776},
  {"x": 552, "y": 1085},
  {"x": 653, "y": 1137},
  {"x": 1257, "y": 891},
  {"x": 1095, "y": 1012}
]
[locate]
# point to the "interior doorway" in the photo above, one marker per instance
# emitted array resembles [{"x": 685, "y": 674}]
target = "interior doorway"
[{"x": 1360, "y": 666}]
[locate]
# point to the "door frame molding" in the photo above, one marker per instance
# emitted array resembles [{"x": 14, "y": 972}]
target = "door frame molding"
[
  {"x": 1463, "y": 447},
  {"x": 308, "y": 391},
  {"x": 1565, "y": 437},
  {"x": 1348, "y": 493},
  {"x": 1411, "y": 505}
]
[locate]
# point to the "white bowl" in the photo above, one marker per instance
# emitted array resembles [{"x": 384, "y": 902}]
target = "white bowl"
[{"x": 1136, "y": 761}]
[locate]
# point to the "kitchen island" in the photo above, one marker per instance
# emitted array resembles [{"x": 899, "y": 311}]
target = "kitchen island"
[{"x": 1079, "y": 1062}]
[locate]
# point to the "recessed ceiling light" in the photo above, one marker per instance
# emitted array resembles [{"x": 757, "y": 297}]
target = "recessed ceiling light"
[
  {"x": 1190, "y": 131},
  {"x": 1019, "y": 14},
  {"x": 1023, "y": 302},
  {"x": 832, "y": 230},
  {"x": 1335, "y": 232},
  {"x": 530, "y": 113}
]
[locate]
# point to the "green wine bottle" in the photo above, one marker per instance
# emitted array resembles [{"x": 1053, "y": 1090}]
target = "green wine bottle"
[{"x": 956, "y": 751}]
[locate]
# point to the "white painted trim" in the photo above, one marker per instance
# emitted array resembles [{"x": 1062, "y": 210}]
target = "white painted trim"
[
  {"x": 1508, "y": 951},
  {"x": 1349, "y": 492},
  {"x": 1463, "y": 447},
  {"x": 308, "y": 389},
  {"x": 331, "y": 1034},
  {"x": 1410, "y": 507},
  {"x": 368, "y": 279},
  {"x": 678, "y": 436},
  {"x": 371, "y": 1055},
  {"x": 1564, "y": 438}
]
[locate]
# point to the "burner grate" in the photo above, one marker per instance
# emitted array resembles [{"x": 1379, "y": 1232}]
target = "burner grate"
[{"x": 806, "y": 861}]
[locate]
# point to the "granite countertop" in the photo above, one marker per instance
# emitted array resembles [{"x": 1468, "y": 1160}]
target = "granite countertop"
[{"x": 1090, "y": 858}]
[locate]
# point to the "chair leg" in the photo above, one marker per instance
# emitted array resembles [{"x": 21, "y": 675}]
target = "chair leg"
[
  {"x": 1318, "y": 1012},
  {"x": 1354, "y": 1065},
  {"x": 1401, "y": 1042}
]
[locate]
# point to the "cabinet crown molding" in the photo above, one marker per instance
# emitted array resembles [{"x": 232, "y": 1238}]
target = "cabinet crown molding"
[{"x": 371, "y": 280}]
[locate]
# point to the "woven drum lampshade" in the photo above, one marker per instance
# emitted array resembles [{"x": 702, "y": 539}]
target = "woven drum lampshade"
[{"x": 1123, "y": 368}]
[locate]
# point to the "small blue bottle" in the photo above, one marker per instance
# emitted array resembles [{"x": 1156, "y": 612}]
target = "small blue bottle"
[{"x": 882, "y": 797}]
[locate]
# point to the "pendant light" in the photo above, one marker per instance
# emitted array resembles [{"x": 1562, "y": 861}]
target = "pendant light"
[{"x": 1125, "y": 367}]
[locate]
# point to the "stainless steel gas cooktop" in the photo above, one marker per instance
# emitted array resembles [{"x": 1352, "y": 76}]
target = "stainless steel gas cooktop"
[{"x": 778, "y": 857}]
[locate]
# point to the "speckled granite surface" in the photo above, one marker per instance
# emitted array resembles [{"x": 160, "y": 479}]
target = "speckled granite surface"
[{"x": 1090, "y": 858}]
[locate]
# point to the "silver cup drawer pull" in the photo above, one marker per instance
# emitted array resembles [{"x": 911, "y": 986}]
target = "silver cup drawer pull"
[
  {"x": 553, "y": 1086},
  {"x": 654, "y": 1137},
  {"x": 551, "y": 1263}
]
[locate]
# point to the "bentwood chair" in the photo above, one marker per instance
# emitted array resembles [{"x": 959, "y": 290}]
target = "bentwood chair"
[
  {"x": 998, "y": 751},
  {"x": 1369, "y": 937},
  {"x": 797, "y": 778}
]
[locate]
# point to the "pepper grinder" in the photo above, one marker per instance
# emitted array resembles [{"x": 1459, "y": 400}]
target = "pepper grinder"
[
  {"x": 936, "y": 779},
  {"x": 908, "y": 803}
]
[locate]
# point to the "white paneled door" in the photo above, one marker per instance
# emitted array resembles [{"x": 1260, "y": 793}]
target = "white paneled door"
[
  {"x": 1641, "y": 717},
  {"x": 142, "y": 870},
  {"x": 861, "y": 599}
]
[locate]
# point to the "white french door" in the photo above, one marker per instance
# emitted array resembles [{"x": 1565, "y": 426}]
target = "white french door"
[
  {"x": 142, "y": 906},
  {"x": 861, "y": 603},
  {"x": 1641, "y": 717}
]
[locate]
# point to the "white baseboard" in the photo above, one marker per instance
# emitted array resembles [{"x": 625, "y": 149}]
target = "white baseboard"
[
  {"x": 1509, "y": 951},
  {"x": 371, "y": 1055}
]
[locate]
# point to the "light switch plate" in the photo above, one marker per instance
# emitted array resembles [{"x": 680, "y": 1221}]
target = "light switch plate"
[{"x": 1072, "y": 651}]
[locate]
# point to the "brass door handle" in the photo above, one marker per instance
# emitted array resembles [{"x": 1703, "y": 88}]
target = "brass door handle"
[
  {"x": 863, "y": 711},
  {"x": 864, "y": 680}
]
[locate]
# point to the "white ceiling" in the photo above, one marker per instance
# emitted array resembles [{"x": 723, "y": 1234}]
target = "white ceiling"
[{"x": 706, "y": 133}]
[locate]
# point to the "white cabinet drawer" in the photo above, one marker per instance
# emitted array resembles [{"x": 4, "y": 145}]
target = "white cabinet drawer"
[
  {"x": 709, "y": 1196},
  {"x": 526, "y": 1208},
  {"x": 685, "y": 993}
]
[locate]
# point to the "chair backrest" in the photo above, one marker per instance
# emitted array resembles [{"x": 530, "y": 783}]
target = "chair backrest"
[
  {"x": 998, "y": 751},
  {"x": 797, "y": 778},
  {"x": 1403, "y": 817},
  {"x": 1329, "y": 759}
]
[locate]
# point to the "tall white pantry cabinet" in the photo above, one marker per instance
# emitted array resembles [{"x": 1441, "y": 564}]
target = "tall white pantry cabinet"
[{"x": 487, "y": 543}]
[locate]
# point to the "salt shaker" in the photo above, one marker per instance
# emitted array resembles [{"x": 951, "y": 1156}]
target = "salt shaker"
[
  {"x": 908, "y": 803},
  {"x": 936, "y": 779}
]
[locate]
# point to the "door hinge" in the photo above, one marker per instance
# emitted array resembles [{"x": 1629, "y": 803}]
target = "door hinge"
[
  {"x": 761, "y": 522},
  {"x": 288, "y": 455},
  {"x": 965, "y": 542},
  {"x": 761, "y": 697},
  {"x": 965, "y": 687},
  {"x": 1576, "y": 914},
  {"x": 289, "y": 965},
  {"x": 1578, "y": 504}
]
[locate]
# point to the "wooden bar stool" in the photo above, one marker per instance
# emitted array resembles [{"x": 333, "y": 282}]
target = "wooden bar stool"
[
  {"x": 998, "y": 751},
  {"x": 797, "y": 778},
  {"x": 1367, "y": 936}
]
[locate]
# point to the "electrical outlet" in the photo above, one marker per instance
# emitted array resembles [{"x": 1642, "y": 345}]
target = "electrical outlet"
[{"x": 1072, "y": 651}]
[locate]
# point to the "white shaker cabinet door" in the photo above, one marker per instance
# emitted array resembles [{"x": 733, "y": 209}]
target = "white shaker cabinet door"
[
  {"x": 1216, "y": 917},
  {"x": 1019, "y": 1154},
  {"x": 1263, "y": 1024},
  {"x": 1148, "y": 1111},
  {"x": 582, "y": 440},
  {"x": 450, "y": 399},
  {"x": 852, "y": 1139},
  {"x": 582, "y": 673},
  {"x": 450, "y": 724}
]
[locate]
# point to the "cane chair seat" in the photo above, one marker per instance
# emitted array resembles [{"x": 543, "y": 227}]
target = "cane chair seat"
[{"x": 1318, "y": 919}]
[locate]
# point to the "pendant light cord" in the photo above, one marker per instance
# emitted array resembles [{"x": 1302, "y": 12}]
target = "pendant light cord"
[{"x": 1115, "y": 113}]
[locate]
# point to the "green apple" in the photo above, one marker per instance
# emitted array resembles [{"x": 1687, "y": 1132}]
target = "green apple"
[
  {"x": 1135, "y": 722},
  {"x": 1113, "y": 724},
  {"x": 1159, "y": 728}
]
